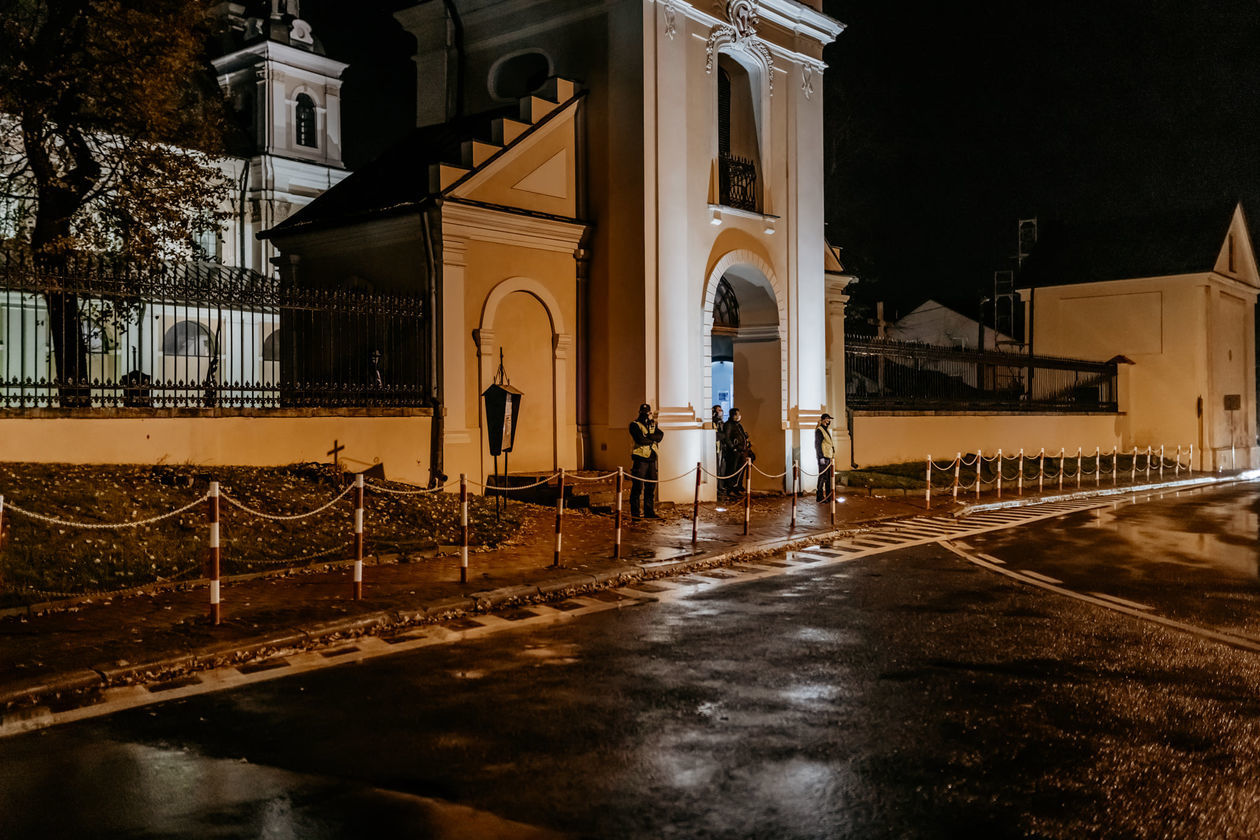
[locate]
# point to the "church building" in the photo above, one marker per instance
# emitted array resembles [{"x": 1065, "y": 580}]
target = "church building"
[{"x": 621, "y": 201}]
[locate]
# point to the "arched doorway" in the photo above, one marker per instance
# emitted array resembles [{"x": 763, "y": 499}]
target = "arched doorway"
[
  {"x": 523, "y": 331},
  {"x": 745, "y": 361}
]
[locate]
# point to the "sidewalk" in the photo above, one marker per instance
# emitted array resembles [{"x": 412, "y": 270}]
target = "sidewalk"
[{"x": 54, "y": 658}]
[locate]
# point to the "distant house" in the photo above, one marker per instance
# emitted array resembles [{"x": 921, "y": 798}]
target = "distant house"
[
  {"x": 932, "y": 322},
  {"x": 1175, "y": 295}
]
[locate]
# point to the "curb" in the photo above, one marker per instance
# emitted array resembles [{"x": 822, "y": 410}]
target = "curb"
[{"x": 1206, "y": 481}]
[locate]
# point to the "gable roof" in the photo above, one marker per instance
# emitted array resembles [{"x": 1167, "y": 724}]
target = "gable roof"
[
  {"x": 401, "y": 179},
  {"x": 1154, "y": 245}
]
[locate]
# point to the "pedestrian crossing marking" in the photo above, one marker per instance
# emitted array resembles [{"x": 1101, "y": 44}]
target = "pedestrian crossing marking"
[{"x": 1122, "y": 601}]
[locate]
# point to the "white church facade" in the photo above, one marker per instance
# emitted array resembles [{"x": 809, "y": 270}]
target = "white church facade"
[{"x": 623, "y": 200}]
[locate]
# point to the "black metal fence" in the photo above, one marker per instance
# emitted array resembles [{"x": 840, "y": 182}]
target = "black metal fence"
[
  {"x": 886, "y": 374},
  {"x": 94, "y": 333},
  {"x": 737, "y": 182}
]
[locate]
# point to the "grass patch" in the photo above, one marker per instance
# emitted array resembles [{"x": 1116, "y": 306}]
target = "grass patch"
[{"x": 40, "y": 560}]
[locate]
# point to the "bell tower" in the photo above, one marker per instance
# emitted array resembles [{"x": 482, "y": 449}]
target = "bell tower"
[{"x": 286, "y": 94}]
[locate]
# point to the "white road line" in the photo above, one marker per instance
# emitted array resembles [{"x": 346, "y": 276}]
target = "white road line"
[
  {"x": 1134, "y": 604},
  {"x": 991, "y": 558},
  {"x": 1039, "y": 576},
  {"x": 1203, "y": 632}
]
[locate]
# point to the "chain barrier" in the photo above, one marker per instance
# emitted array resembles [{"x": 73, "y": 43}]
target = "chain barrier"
[
  {"x": 98, "y": 526},
  {"x": 768, "y": 475},
  {"x": 591, "y": 478},
  {"x": 1154, "y": 461},
  {"x": 503, "y": 489},
  {"x": 285, "y": 518}
]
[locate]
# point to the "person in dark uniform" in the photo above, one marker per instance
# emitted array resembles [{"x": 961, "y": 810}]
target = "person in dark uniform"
[
  {"x": 647, "y": 437},
  {"x": 738, "y": 450},
  {"x": 825, "y": 451}
]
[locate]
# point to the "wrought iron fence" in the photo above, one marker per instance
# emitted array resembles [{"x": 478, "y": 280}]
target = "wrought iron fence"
[
  {"x": 886, "y": 374},
  {"x": 737, "y": 182},
  {"x": 95, "y": 333}
]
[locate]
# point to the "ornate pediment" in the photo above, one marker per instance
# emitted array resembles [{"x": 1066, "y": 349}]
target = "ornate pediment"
[{"x": 740, "y": 33}]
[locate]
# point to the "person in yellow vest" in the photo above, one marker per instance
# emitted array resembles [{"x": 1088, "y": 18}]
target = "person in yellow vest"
[
  {"x": 825, "y": 450},
  {"x": 643, "y": 472}
]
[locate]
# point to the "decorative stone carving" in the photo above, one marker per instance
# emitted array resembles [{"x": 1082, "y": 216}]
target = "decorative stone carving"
[
  {"x": 741, "y": 32},
  {"x": 807, "y": 81},
  {"x": 671, "y": 23}
]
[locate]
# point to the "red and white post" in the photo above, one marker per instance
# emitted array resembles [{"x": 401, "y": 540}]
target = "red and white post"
[
  {"x": 1176, "y": 471},
  {"x": 1133, "y": 468},
  {"x": 999, "y": 473},
  {"x": 1021, "y": 472},
  {"x": 747, "y": 493},
  {"x": 796, "y": 477},
  {"x": 927, "y": 489},
  {"x": 1161, "y": 462},
  {"x": 1097, "y": 465},
  {"x": 834, "y": 491},
  {"x": 358, "y": 537},
  {"x": 957, "y": 471},
  {"x": 695, "y": 510},
  {"x": 463, "y": 528},
  {"x": 555, "y": 559},
  {"x": 1080, "y": 467},
  {"x": 1041, "y": 470},
  {"x": 212, "y": 515},
  {"x": 1190, "y": 461},
  {"x": 979, "y": 464},
  {"x": 617, "y": 517}
]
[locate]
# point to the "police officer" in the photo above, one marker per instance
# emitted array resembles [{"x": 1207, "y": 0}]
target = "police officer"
[
  {"x": 825, "y": 451},
  {"x": 646, "y": 436}
]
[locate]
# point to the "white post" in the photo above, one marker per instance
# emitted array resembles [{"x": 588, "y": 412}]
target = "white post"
[
  {"x": 1097, "y": 465},
  {"x": 927, "y": 492},
  {"x": 957, "y": 470},
  {"x": 1080, "y": 467},
  {"x": 1041, "y": 469},
  {"x": 1177, "y": 469},
  {"x": 979, "y": 464},
  {"x": 1161, "y": 462},
  {"x": 1115, "y": 462},
  {"x": 1133, "y": 468},
  {"x": 1190, "y": 461},
  {"x": 1021, "y": 471}
]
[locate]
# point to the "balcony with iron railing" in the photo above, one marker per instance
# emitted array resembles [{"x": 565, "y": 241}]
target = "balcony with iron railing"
[{"x": 737, "y": 183}]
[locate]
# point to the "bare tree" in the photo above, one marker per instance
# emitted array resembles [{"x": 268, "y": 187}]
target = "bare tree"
[{"x": 110, "y": 124}]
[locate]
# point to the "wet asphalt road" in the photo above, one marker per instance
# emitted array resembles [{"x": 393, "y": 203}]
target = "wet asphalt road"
[{"x": 905, "y": 695}]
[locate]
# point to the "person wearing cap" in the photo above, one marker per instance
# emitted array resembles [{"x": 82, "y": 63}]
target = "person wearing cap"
[
  {"x": 643, "y": 471},
  {"x": 825, "y": 450}
]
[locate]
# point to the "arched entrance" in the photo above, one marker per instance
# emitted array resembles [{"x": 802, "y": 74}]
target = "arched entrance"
[{"x": 744, "y": 358}]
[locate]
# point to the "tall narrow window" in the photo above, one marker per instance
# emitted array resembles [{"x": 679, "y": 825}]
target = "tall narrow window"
[
  {"x": 724, "y": 113},
  {"x": 306, "y": 122}
]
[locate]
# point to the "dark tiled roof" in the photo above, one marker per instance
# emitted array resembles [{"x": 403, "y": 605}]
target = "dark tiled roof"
[
  {"x": 1182, "y": 242},
  {"x": 398, "y": 180}
]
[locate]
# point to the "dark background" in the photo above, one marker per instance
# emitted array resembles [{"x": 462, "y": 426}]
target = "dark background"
[{"x": 948, "y": 122}]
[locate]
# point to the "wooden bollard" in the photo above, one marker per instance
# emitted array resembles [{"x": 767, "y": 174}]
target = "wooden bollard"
[
  {"x": 555, "y": 559},
  {"x": 463, "y": 528},
  {"x": 747, "y": 493},
  {"x": 358, "y": 537},
  {"x": 695, "y": 510},
  {"x": 212, "y": 515},
  {"x": 617, "y": 517}
]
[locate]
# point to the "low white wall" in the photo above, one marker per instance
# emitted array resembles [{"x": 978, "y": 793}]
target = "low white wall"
[
  {"x": 401, "y": 442},
  {"x": 899, "y": 437}
]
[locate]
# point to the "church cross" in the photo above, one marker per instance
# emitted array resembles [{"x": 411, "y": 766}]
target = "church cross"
[{"x": 335, "y": 451}]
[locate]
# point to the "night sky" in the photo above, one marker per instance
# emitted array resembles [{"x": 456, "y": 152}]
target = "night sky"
[{"x": 948, "y": 121}]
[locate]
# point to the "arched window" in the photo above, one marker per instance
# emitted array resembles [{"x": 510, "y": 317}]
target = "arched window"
[
  {"x": 271, "y": 347},
  {"x": 187, "y": 338},
  {"x": 519, "y": 75},
  {"x": 725, "y": 306},
  {"x": 306, "y": 122}
]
